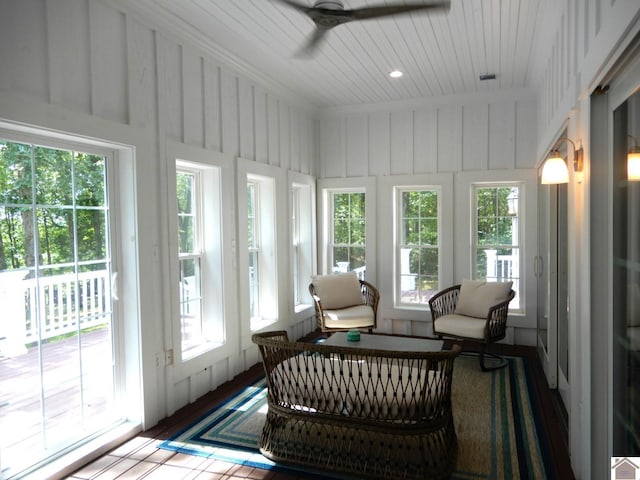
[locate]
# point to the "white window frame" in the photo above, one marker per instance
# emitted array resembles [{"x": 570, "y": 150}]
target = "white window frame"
[
  {"x": 514, "y": 306},
  {"x": 125, "y": 265},
  {"x": 400, "y": 245},
  {"x": 390, "y": 224},
  {"x": 208, "y": 253},
  {"x": 303, "y": 235},
  {"x": 273, "y": 198},
  {"x": 525, "y": 317},
  {"x": 254, "y": 249},
  {"x": 326, "y": 189},
  {"x": 211, "y": 168}
]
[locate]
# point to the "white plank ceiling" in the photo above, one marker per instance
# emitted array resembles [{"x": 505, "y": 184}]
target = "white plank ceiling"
[{"x": 439, "y": 53}]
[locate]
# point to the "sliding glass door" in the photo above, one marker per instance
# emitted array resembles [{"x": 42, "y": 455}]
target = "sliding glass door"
[
  {"x": 626, "y": 283},
  {"x": 57, "y": 366}
]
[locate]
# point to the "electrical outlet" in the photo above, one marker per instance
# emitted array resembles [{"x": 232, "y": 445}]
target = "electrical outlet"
[{"x": 168, "y": 357}]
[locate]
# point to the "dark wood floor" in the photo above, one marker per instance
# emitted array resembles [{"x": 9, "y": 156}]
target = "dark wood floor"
[{"x": 139, "y": 458}]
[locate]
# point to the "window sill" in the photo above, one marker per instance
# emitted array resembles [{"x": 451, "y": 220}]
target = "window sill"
[
  {"x": 196, "y": 351},
  {"x": 260, "y": 323},
  {"x": 303, "y": 307}
]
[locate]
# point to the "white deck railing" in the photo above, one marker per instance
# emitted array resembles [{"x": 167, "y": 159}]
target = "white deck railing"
[
  {"x": 46, "y": 307},
  {"x": 343, "y": 267},
  {"x": 502, "y": 268}
]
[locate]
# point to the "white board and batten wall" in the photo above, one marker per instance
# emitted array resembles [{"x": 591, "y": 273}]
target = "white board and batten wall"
[
  {"x": 94, "y": 70},
  {"x": 454, "y": 141}
]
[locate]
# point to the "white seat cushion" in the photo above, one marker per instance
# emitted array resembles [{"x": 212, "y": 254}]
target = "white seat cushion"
[
  {"x": 350, "y": 317},
  {"x": 461, "y": 325}
]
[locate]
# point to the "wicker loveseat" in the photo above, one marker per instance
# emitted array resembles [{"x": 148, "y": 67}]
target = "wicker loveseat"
[{"x": 366, "y": 413}]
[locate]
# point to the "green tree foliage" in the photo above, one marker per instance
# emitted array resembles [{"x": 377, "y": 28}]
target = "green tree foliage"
[
  {"x": 494, "y": 228},
  {"x": 51, "y": 200},
  {"x": 420, "y": 236},
  {"x": 494, "y": 219},
  {"x": 185, "y": 191},
  {"x": 349, "y": 229}
]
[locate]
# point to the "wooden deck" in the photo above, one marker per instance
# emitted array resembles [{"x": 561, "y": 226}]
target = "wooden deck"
[{"x": 44, "y": 404}]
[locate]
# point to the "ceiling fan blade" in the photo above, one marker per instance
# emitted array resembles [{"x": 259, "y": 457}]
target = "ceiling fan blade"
[
  {"x": 386, "y": 10},
  {"x": 298, "y": 6},
  {"x": 313, "y": 43}
]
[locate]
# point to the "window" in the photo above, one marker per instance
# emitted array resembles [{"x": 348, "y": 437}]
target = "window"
[
  {"x": 200, "y": 283},
  {"x": 417, "y": 254},
  {"x": 58, "y": 321},
  {"x": 347, "y": 224},
  {"x": 296, "y": 253},
  {"x": 262, "y": 267},
  {"x": 253, "y": 235},
  {"x": 189, "y": 258},
  {"x": 302, "y": 238},
  {"x": 497, "y": 235},
  {"x": 348, "y": 233}
]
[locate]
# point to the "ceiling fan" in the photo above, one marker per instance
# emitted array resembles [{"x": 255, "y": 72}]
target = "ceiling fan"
[{"x": 327, "y": 14}]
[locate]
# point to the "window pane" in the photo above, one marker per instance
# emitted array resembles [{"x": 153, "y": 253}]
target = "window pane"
[
  {"x": 341, "y": 258},
  {"x": 357, "y": 231},
  {"x": 357, "y": 258},
  {"x": 17, "y": 229},
  {"x": 53, "y": 176},
  {"x": 295, "y": 243},
  {"x": 418, "y": 252},
  {"x": 497, "y": 252},
  {"x": 60, "y": 298},
  {"x": 429, "y": 232},
  {"x": 410, "y": 207},
  {"x": 252, "y": 239},
  {"x": 486, "y": 202},
  {"x": 341, "y": 232},
  {"x": 91, "y": 230},
  {"x": 504, "y": 231},
  {"x": 190, "y": 302},
  {"x": 89, "y": 177},
  {"x": 411, "y": 231},
  {"x": 349, "y": 232},
  {"x": 357, "y": 205},
  {"x": 187, "y": 228},
  {"x": 17, "y": 182},
  {"x": 254, "y": 285},
  {"x": 55, "y": 232}
]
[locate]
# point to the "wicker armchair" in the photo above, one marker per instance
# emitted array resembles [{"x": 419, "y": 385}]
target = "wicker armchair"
[
  {"x": 486, "y": 329},
  {"x": 333, "y": 315}
]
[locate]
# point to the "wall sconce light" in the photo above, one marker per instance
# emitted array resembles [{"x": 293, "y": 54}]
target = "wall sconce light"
[
  {"x": 633, "y": 161},
  {"x": 555, "y": 169}
]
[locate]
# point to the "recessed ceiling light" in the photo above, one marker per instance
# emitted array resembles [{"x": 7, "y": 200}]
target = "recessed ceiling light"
[{"x": 395, "y": 74}]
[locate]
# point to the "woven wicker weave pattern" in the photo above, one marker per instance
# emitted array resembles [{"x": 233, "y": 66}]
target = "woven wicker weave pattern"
[
  {"x": 444, "y": 303},
  {"x": 369, "y": 413}
]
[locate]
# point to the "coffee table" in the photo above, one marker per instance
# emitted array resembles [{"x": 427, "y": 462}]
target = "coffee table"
[{"x": 386, "y": 342}]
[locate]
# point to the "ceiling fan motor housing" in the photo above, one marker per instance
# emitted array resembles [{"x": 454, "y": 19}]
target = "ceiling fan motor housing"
[{"x": 329, "y": 4}]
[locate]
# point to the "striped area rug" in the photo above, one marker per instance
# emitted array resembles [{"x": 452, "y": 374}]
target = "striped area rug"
[{"x": 499, "y": 432}]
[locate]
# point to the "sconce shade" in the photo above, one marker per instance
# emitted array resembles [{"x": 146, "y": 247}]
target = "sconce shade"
[
  {"x": 633, "y": 165},
  {"x": 554, "y": 170}
]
